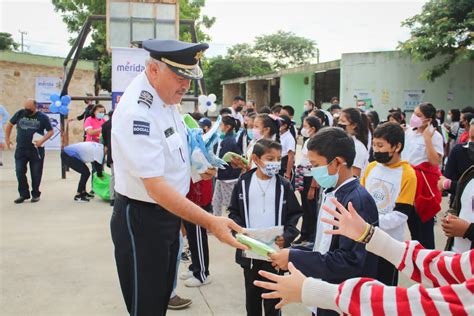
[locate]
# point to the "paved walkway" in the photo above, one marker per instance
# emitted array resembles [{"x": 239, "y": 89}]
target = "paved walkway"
[{"x": 56, "y": 256}]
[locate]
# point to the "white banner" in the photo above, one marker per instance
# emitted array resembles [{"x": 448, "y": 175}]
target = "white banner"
[
  {"x": 45, "y": 86},
  {"x": 127, "y": 63},
  {"x": 54, "y": 143},
  {"x": 412, "y": 99}
]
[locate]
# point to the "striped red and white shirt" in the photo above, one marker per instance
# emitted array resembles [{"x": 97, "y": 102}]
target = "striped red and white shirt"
[{"x": 446, "y": 283}]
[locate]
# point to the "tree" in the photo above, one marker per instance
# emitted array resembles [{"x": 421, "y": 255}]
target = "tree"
[
  {"x": 444, "y": 29},
  {"x": 7, "y": 42},
  {"x": 75, "y": 13},
  {"x": 285, "y": 49},
  {"x": 238, "y": 62}
]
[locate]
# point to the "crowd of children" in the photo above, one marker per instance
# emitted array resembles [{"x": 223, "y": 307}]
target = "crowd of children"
[{"x": 387, "y": 171}]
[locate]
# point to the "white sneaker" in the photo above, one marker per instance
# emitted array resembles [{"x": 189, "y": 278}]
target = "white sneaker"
[
  {"x": 186, "y": 275},
  {"x": 193, "y": 282}
]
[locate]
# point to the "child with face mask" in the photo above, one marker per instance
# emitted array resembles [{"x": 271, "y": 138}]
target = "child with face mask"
[
  {"x": 334, "y": 259},
  {"x": 392, "y": 183},
  {"x": 93, "y": 124},
  {"x": 226, "y": 178},
  {"x": 262, "y": 198}
]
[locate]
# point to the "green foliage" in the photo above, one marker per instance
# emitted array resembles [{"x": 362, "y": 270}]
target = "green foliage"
[
  {"x": 285, "y": 49},
  {"x": 7, "y": 42},
  {"x": 75, "y": 13},
  {"x": 445, "y": 29}
]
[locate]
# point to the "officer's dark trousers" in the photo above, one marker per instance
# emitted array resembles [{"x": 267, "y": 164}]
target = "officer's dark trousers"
[
  {"x": 77, "y": 165},
  {"x": 35, "y": 157},
  {"x": 146, "y": 240},
  {"x": 199, "y": 247}
]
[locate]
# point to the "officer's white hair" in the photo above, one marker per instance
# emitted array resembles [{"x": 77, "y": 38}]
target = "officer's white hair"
[{"x": 151, "y": 60}]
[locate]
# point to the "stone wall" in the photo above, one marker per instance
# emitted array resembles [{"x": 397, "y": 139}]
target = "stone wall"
[
  {"x": 259, "y": 91},
  {"x": 229, "y": 92},
  {"x": 18, "y": 74}
]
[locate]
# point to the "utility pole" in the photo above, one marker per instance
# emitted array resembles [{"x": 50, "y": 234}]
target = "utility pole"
[{"x": 22, "y": 34}]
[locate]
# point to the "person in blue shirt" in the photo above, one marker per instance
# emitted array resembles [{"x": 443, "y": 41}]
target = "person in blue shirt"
[
  {"x": 30, "y": 138},
  {"x": 5, "y": 116},
  {"x": 334, "y": 258}
]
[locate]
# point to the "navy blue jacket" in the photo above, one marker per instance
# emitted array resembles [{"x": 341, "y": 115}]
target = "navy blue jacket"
[
  {"x": 345, "y": 258},
  {"x": 228, "y": 144},
  {"x": 288, "y": 209}
]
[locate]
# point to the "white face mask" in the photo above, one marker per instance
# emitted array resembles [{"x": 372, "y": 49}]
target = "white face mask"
[
  {"x": 305, "y": 132},
  {"x": 307, "y": 107},
  {"x": 271, "y": 168}
]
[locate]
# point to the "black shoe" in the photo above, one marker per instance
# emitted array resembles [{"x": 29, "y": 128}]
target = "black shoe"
[
  {"x": 35, "y": 199},
  {"x": 20, "y": 200},
  {"x": 81, "y": 198},
  {"x": 90, "y": 195},
  {"x": 299, "y": 241},
  {"x": 112, "y": 202}
]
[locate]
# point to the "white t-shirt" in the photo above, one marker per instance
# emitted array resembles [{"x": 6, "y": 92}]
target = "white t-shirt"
[
  {"x": 149, "y": 140},
  {"x": 288, "y": 143},
  {"x": 361, "y": 159},
  {"x": 460, "y": 244},
  {"x": 415, "y": 148},
  {"x": 86, "y": 151},
  {"x": 237, "y": 116},
  {"x": 305, "y": 160},
  {"x": 261, "y": 205}
]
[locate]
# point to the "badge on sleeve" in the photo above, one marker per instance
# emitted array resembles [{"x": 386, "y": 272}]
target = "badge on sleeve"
[
  {"x": 145, "y": 98},
  {"x": 141, "y": 128}
]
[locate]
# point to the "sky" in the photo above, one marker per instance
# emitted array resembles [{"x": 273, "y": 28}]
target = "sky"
[{"x": 336, "y": 26}]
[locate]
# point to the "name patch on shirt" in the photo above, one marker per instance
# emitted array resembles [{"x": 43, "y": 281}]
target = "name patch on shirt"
[
  {"x": 145, "y": 98},
  {"x": 169, "y": 132},
  {"x": 141, "y": 128}
]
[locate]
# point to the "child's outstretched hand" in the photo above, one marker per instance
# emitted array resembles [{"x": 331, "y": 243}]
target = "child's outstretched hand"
[
  {"x": 280, "y": 259},
  {"x": 348, "y": 222},
  {"x": 280, "y": 242}
]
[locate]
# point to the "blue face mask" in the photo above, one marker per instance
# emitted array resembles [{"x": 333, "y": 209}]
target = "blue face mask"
[
  {"x": 249, "y": 133},
  {"x": 100, "y": 115},
  {"x": 323, "y": 178}
]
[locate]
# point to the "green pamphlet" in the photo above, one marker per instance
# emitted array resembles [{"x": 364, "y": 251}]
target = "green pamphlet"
[
  {"x": 255, "y": 246},
  {"x": 229, "y": 156}
]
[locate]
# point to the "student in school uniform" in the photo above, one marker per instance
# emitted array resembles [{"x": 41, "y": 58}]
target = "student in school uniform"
[
  {"x": 246, "y": 136},
  {"x": 289, "y": 111},
  {"x": 226, "y": 178},
  {"x": 334, "y": 258},
  {"x": 288, "y": 148},
  {"x": 392, "y": 183},
  {"x": 262, "y": 198},
  {"x": 310, "y": 189},
  {"x": 356, "y": 124}
]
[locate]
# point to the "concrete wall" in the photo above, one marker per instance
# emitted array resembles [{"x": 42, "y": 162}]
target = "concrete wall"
[
  {"x": 386, "y": 75},
  {"x": 259, "y": 91},
  {"x": 294, "y": 91},
  {"x": 18, "y": 74},
  {"x": 229, "y": 91}
]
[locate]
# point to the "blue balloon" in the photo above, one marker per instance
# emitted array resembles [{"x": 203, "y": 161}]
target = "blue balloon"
[
  {"x": 65, "y": 100},
  {"x": 53, "y": 108},
  {"x": 63, "y": 110},
  {"x": 54, "y": 98}
]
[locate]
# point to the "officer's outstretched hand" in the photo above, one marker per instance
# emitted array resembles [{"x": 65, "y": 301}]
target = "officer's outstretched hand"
[{"x": 222, "y": 228}]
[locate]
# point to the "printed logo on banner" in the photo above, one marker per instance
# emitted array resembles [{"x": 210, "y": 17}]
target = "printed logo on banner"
[
  {"x": 129, "y": 67},
  {"x": 141, "y": 128}
]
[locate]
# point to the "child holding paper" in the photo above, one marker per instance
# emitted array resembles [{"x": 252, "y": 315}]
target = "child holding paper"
[{"x": 263, "y": 199}]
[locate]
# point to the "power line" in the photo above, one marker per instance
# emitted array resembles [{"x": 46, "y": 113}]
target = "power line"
[{"x": 22, "y": 44}]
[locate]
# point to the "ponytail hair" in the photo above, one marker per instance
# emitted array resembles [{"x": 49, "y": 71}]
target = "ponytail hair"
[
  {"x": 232, "y": 122},
  {"x": 429, "y": 111},
  {"x": 272, "y": 122},
  {"x": 361, "y": 122}
]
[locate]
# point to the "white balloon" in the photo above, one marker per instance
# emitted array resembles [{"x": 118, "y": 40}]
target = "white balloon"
[
  {"x": 212, "y": 108},
  {"x": 212, "y": 97},
  {"x": 202, "y": 99},
  {"x": 58, "y": 103},
  {"x": 202, "y": 108}
]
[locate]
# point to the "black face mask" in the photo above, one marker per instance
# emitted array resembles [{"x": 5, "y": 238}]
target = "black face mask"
[
  {"x": 344, "y": 127},
  {"x": 239, "y": 108},
  {"x": 29, "y": 112},
  {"x": 382, "y": 156}
]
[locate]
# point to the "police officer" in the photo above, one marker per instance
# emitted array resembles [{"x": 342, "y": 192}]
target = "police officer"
[{"x": 152, "y": 174}]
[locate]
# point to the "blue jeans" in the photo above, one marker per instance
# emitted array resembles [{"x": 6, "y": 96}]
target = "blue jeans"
[{"x": 35, "y": 157}]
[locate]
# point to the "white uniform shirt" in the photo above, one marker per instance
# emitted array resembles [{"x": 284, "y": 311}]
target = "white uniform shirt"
[
  {"x": 149, "y": 139},
  {"x": 461, "y": 244},
  {"x": 262, "y": 206},
  {"x": 288, "y": 143},
  {"x": 361, "y": 159},
  {"x": 305, "y": 160},
  {"x": 415, "y": 149},
  {"x": 237, "y": 116},
  {"x": 86, "y": 152}
]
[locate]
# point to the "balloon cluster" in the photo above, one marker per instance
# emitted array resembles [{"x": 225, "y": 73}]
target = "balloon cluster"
[
  {"x": 207, "y": 103},
  {"x": 59, "y": 104}
]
